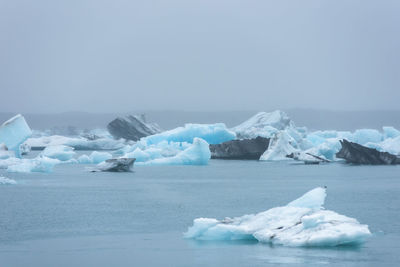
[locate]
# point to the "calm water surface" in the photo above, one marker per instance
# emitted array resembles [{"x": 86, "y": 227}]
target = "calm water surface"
[{"x": 75, "y": 218}]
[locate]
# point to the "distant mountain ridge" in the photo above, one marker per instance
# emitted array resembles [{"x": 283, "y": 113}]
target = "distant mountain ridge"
[{"x": 312, "y": 119}]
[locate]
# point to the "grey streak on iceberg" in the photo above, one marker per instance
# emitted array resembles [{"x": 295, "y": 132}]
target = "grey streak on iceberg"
[
  {"x": 358, "y": 154},
  {"x": 240, "y": 149},
  {"x": 132, "y": 128},
  {"x": 116, "y": 165},
  {"x": 302, "y": 222}
]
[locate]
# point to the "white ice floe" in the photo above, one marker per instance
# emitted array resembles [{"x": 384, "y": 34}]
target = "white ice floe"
[
  {"x": 5, "y": 180},
  {"x": 303, "y": 222},
  {"x": 38, "y": 164},
  {"x": 14, "y": 132},
  {"x": 78, "y": 143},
  {"x": 60, "y": 152},
  {"x": 94, "y": 158}
]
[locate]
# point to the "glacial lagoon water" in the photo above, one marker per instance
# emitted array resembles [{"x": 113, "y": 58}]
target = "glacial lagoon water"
[{"x": 72, "y": 217}]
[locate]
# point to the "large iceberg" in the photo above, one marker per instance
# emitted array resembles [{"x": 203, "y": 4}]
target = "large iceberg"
[
  {"x": 212, "y": 133},
  {"x": 263, "y": 124},
  {"x": 14, "y": 132},
  {"x": 197, "y": 153},
  {"x": 303, "y": 222}
]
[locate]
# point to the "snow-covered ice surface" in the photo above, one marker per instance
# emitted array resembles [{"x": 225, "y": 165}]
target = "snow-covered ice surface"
[
  {"x": 303, "y": 222},
  {"x": 14, "y": 132},
  {"x": 5, "y": 180}
]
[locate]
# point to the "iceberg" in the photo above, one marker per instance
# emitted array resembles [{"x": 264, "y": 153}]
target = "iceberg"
[
  {"x": 197, "y": 153},
  {"x": 14, "y": 132},
  {"x": 5, "y": 180},
  {"x": 303, "y": 222},
  {"x": 212, "y": 133},
  {"x": 263, "y": 124},
  {"x": 280, "y": 146},
  {"x": 60, "y": 152},
  {"x": 38, "y": 164}
]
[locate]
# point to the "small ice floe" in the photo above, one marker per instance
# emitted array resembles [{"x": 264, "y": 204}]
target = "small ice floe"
[
  {"x": 5, "y": 180},
  {"x": 302, "y": 222}
]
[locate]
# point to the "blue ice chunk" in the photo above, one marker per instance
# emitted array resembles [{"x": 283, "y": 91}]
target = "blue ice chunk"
[{"x": 212, "y": 133}]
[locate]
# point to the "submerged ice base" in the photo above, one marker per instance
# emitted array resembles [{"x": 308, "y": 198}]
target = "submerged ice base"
[{"x": 303, "y": 222}]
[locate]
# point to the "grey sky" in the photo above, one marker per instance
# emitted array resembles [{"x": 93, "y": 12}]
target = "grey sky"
[{"x": 120, "y": 55}]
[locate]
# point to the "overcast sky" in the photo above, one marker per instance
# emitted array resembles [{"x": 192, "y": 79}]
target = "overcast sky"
[{"x": 118, "y": 56}]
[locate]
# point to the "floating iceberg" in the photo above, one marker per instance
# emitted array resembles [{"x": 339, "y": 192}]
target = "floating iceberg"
[
  {"x": 38, "y": 164},
  {"x": 94, "y": 158},
  {"x": 303, "y": 222},
  {"x": 280, "y": 146},
  {"x": 212, "y": 133},
  {"x": 5, "y": 180},
  {"x": 14, "y": 132},
  {"x": 197, "y": 153},
  {"x": 263, "y": 124},
  {"x": 59, "y": 152}
]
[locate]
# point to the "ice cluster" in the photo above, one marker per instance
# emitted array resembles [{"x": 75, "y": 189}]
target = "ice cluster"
[
  {"x": 5, "y": 180},
  {"x": 286, "y": 138},
  {"x": 302, "y": 222}
]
